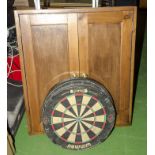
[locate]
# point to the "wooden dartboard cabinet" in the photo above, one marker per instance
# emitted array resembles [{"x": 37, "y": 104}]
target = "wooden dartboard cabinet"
[{"x": 56, "y": 44}]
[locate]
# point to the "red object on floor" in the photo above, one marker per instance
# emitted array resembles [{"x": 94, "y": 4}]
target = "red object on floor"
[{"x": 15, "y": 72}]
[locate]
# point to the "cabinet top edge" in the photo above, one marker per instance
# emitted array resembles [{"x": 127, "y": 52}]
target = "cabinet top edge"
[{"x": 75, "y": 10}]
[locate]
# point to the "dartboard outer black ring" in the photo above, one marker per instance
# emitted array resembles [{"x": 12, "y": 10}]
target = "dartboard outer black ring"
[{"x": 78, "y": 114}]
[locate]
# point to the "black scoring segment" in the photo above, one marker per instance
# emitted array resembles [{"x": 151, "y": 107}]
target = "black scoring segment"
[
  {"x": 66, "y": 104},
  {"x": 78, "y": 135},
  {"x": 79, "y": 102}
]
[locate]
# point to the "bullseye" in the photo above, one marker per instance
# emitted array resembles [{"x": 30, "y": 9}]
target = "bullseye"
[{"x": 78, "y": 119}]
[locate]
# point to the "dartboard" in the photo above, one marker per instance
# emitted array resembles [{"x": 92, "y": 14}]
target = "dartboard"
[{"x": 78, "y": 114}]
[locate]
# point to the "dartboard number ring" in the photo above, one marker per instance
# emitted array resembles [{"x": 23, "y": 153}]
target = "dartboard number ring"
[{"x": 78, "y": 119}]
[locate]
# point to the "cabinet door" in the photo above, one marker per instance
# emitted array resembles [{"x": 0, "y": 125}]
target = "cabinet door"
[
  {"x": 106, "y": 50},
  {"x": 49, "y": 55}
]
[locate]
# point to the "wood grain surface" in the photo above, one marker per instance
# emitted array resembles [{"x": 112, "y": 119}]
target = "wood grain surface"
[{"x": 56, "y": 44}]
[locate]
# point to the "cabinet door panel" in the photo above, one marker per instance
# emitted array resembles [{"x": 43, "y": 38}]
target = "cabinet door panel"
[
  {"x": 106, "y": 55},
  {"x": 47, "y": 49},
  {"x": 51, "y": 55}
]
